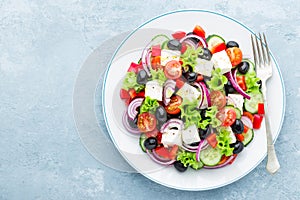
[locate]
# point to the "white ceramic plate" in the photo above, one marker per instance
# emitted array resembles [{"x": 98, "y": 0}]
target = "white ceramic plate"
[{"x": 128, "y": 145}]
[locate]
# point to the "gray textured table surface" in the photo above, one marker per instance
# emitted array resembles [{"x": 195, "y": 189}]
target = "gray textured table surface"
[{"x": 43, "y": 45}]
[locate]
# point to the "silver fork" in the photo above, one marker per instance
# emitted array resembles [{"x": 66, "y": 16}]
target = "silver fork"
[{"x": 263, "y": 68}]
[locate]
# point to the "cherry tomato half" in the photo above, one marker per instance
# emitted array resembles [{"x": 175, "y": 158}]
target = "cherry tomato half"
[
  {"x": 173, "y": 107},
  {"x": 146, "y": 122},
  {"x": 226, "y": 116},
  {"x": 173, "y": 69},
  {"x": 235, "y": 55},
  {"x": 218, "y": 99}
]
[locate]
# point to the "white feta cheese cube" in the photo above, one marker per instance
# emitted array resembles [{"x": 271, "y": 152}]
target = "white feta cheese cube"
[
  {"x": 222, "y": 61},
  {"x": 204, "y": 67},
  {"x": 188, "y": 92},
  {"x": 171, "y": 137},
  {"x": 231, "y": 135},
  {"x": 238, "y": 101},
  {"x": 190, "y": 135},
  {"x": 168, "y": 55},
  {"x": 154, "y": 90}
]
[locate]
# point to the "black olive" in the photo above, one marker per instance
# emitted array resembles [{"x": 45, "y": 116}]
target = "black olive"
[
  {"x": 195, "y": 40},
  {"x": 259, "y": 83},
  {"x": 150, "y": 143},
  {"x": 161, "y": 114},
  {"x": 180, "y": 166},
  {"x": 194, "y": 144},
  {"x": 205, "y": 54},
  {"x": 203, "y": 133},
  {"x": 203, "y": 113},
  {"x": 191, "y": 77},
  {"x": 132, "y": 123},
  {"x": 238, "y": 126},
  {"x": 229, "y": 88},
  {"x": 232, "y": 44},
  {"x": 238, "y": 147},
  {"x": 243, "y": 67},
  {"x": 142, "y": 77},
  {"x": 174, "y": 45}
]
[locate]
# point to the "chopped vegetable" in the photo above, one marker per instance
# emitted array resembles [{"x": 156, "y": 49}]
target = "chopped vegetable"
[
  {"x": 189, "y": 58},
  {"x": 217, "y": 80},
  {"x": 130, "y": 82},
  {"x": 158, "y": 75},
  {"x": 189, "y": 159},
  {"x": 149, "y": 105},
  {"x": 224, "y": 141}
]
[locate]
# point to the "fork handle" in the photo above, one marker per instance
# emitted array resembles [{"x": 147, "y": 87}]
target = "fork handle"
[{"x": 272, "y": 162}]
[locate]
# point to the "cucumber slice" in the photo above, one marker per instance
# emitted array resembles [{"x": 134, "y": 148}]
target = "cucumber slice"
[
  {"x": 213, "y": 40},
  {"x": 210, "y": 156},
  {"x": 143, "y": 137},
  {"x": 248, "y": 136},
  {"x": 237, "y": 111},
  {"x": 251, "y": 105}
]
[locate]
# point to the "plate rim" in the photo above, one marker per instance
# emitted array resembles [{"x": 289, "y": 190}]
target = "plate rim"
[{"x": 170, "y": 13}]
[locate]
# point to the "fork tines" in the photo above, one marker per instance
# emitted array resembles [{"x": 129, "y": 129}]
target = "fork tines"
[{"x": 260, "y": 49}]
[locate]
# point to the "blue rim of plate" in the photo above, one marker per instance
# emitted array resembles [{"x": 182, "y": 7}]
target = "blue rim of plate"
[{"x": 170, "y": 13}]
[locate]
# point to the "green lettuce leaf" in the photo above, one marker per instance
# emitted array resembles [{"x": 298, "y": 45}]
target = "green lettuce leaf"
[
  {"x": 130, "y": 82},
  {"x": 188, "y": 159},
  {"x": 211, "y": 118},
  {"x": 251, "y": 82},
  {"x": 189, "y": 114},
  {"x": 224, "y": 141},
  {"x": 149, "y": 105},
  {"x": 158, "y": 75},
  {"x": 217, "y": 80},
  {"x": 189, "y": 57}
]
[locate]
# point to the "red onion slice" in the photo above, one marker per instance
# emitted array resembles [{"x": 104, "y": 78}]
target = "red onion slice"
[
  {"x": 127, "y": 126},
  {"x": 158, "y": 161},
  {"x": 232, "y": 78},
  {"x": 132, "y": 107},
  {"x": 202, "y": 40},
  {"x": 172, "y": 123},
  {"x": 246, "y": 121},
  {"x": 206, "y": 92}
]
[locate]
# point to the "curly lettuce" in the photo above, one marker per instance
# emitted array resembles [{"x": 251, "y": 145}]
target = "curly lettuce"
[
  {"x": 149, "y": 105},
  {"x": 189, "y": 114},
  {"x": 251, "y": 81},
  {"x": 189, "y": 57},
  {"x": 211, "y": 118},
  {"x": 217, "y": 80},
  {"x": 130, "y": 81},
  {"x": 188, "y": 159},
  {"x": 158, "y": 75},
  {"x": 224, "y": 141}
]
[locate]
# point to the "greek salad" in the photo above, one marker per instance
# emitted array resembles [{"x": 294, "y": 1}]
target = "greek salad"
[{"x": 193, "y": 99}]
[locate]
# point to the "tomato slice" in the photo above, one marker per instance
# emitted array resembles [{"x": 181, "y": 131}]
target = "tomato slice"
[
  {"x": 239, "y": 137},
  {"x": 146, "y": 122},
  {"x": 223, "y": 159},
  {"x": 155, "y": 63},
  {"x": 212, "y": 140},
  {"x": 227, "y": 116},
  {"x": 217, "y": 48},
  {"x": 124, "y": 94},
  {"x": 218, "y": 99},
  {"x": 169, "y": 153},
  {"x": 235, "y": 55},
  {"x": 198, "y": 30},
  {"x": 173, "y": 69},
  {"x": 199, "y": 78},
  {"x": 246, "y": 128},
  {"x": 234, "y": 157},
  {"x": 241, "y": 82},
  {"x": 173, "y": 107},
  {"x": 178, "y": 35},
  {"x": 153, "y": 133}
]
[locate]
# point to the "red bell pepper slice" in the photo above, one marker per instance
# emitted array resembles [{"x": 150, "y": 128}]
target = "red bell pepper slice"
[
  {"x": 257, "y": 119},
  {"x": 135, "y": 67},
  {"x": 241, "y": 82},
  {"x": 156, "y": 50},
  {"x": 261, "y": 109},
  {"x": 217, "y": 48},
  {"x": 198, "y": 30}
]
